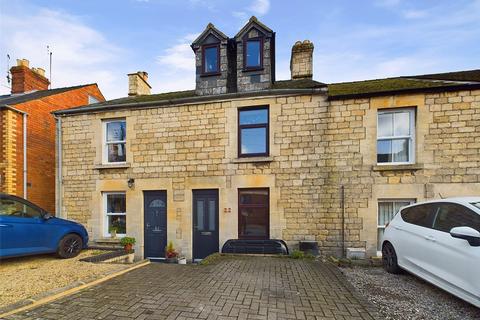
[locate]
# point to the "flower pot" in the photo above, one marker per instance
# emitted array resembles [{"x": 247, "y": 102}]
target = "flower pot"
[
  {"x": 182, "y": 260},
  {"x": 130, "y": 257},
  {"x": 128, "y": 247},
  {"x": 113, "y": 234},
  {"x": 171, "y": 260}
]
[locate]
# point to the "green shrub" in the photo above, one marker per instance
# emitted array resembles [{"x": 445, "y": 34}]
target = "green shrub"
[
  {"x": 297, "y": 254},
  {"x": 127, "y": 240}
]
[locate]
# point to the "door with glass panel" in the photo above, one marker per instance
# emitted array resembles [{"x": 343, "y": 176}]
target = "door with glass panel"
[
  {"x": 155, "y": 223},
  {"x": 205, "y": 223}
]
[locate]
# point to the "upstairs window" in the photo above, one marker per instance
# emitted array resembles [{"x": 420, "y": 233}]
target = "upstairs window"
[
  {"x": 396, "y": 136},
  {"x": 253, "y": 132},
  {"x": 253, "y": 54},
  {"x": 211, "y": 59},
  {"x": 92, "y": 100},
  {"x": 115, "y": 139}
]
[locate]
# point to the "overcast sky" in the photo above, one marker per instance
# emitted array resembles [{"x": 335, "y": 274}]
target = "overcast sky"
[{"x": 102, "y": 41}]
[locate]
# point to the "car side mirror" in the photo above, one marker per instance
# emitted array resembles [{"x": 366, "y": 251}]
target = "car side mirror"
[
  {"x": 47, "y": 216},
  {"x": 466, "y": 233}
]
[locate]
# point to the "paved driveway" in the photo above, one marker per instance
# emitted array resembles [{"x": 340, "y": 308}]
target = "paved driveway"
[{"x": 233, "y": 288}]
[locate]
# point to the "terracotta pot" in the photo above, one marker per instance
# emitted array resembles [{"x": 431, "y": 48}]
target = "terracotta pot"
[{"x": 128, "y": 247}]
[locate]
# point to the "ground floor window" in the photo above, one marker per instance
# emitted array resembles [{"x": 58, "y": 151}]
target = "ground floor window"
[
  {"x": 115, "y": 213},
  {"x": 386, "y": 211},
  {"x": 253, "y": 213}
]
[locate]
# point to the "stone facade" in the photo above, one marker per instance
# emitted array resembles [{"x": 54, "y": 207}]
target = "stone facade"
[
  {"x": 208, "y": 84},
  {"x": 317, "y": 145},
  {"x": 261, "y": 78},
  {"x": 138, "y": 84},
  {"x": 301, "y": 63}
]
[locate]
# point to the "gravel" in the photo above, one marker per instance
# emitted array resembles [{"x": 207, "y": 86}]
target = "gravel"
[
  {"x": 26, "y": 277},
  {"x": 405, "y": 296}
]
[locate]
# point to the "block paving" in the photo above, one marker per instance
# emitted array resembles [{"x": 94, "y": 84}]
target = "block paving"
[{"x": 233, "y": 288}]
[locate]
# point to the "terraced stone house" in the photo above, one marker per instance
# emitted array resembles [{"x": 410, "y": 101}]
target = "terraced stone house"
[{"x": 245, "y": 156}]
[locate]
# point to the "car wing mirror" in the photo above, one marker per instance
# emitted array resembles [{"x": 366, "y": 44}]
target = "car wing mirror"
[
  {"x": 466, "y": 233},
  {"x": 47, "y": 216}
]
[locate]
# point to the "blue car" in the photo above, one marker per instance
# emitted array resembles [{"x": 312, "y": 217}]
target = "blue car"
[{"x": 27, "y": 229}]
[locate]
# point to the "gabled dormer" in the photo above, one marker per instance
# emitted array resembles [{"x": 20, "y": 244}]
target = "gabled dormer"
[
  {"x": 255, "y": 56},
  {"x": 211, "y": 61}
]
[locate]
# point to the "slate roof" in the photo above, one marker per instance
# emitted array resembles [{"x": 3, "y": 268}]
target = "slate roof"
[
  {"x": 420, "y": 83},
  {"x": 461, "y": 80},
  {"x": 13, "y": 99}
]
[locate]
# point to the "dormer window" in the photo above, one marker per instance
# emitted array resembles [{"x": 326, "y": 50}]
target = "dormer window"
[
  {"x": 211, "y": 59},
  {"x": 253, "y": 54}
]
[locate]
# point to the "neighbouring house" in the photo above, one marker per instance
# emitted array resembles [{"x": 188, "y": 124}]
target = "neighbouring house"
[
  {"x": 27, "y": 132},
  {"x": 244, "y": 156}
]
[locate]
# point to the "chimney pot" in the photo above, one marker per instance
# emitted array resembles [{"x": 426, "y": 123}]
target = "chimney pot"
[
  {"x": 301, "y": 61},
  {"x": 138, "y": 84},
  {"x": 23, "y": 63}
]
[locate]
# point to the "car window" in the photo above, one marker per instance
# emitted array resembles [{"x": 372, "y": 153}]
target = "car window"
[
  {"x": 451, "y": 215},
  {"x": 420, "y": 215},
  {"x": 15, "y": 208}
]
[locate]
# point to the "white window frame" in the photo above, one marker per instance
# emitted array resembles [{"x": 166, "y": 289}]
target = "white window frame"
[
  {"x": 106, "y": 214},
  {"x": 92, "y": 99},
  {"x": 379, "y": 226},
  {"x": 105, "y": 143},
  {"x": 411, "y": 137}
]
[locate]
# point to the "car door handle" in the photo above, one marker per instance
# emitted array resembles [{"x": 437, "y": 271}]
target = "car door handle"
[
  {"x": 430, "y": 238},
  {"x": 397, "y": 227}
]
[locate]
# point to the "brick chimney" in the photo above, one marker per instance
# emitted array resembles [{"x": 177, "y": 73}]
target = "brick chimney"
[
  {"x": 138, "y": 84},
  {"x": 25, "y": 79},
  {"x": 301, "y": 62}
]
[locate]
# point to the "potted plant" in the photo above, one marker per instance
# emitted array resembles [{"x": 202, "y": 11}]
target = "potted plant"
[
  {"x": 127, "y": 243},
  {"x": 113, "y": 232},
  {"x": 170, "y": 253}
]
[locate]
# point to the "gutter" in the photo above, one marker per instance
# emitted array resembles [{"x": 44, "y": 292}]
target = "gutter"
[
  {"x": 58, "y": 176},
  {"x": 192, "y": 100},
  {"x": 25, "y": 166}
]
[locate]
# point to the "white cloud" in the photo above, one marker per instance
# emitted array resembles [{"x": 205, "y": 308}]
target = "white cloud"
[
  {"x": 176, "y": 66},
  {"x": 260, "y": 7},
  {"x": 257, "y": 7},
  {"x": 415, "y": 14},
  {"x": 81, "y": 54}
]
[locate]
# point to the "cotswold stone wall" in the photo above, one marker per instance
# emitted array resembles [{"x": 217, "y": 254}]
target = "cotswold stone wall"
[{"x": 316, "y": 147}]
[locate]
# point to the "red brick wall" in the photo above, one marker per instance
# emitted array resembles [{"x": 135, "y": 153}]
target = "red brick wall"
[
  {"x": 41, "y": 141},
  {"x": 24, "y": 80}
]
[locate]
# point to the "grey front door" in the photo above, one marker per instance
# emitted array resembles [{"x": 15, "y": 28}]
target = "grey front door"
[
  {"x": 205, "y": 223},
  {"x": 155, "y": 223}
]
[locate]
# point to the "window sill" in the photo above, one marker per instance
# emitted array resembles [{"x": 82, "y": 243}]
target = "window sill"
[
  {"x": 102, "y": 166},
  {"x": 252, "y": 159},
  {"x": 252, "y": 69},
  {"x": 397, "y": 167},
  {"x": 213, "y": 74}
]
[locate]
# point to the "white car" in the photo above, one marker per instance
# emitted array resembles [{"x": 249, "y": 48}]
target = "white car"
[{"x": 438, "y": 241}]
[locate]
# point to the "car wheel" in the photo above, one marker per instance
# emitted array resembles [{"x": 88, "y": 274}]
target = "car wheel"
[
  {"x": 70, "y": 246},
  {"x": 389, "y": 258}
]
